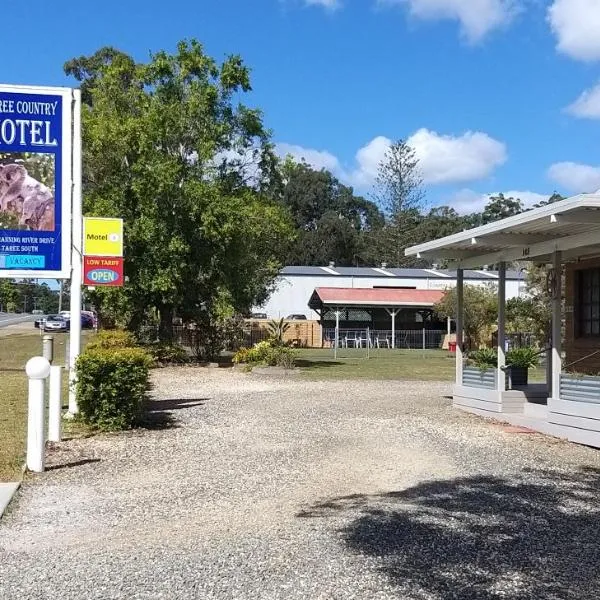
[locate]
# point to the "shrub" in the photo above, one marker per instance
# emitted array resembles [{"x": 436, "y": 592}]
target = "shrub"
[
  {"x": 241, "y": 356},
  {"x": 277, "y": 330},
  {"x": 484, "y": 358},
  {"x": 111, "y": 386},
  {"x": 525, "y": 358},
  {"x": 265, "y": 353},
  {"x": 259, "y": 353},
  {"x": 209, "y": 338},
  {"x": 112, "y": 338},
  {"x": 168, "y": 354},
  {"x": 286, "y": 358}
]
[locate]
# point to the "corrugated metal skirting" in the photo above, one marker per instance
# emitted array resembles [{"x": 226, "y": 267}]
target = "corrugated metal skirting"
[
  {"x": 475, "y": 377},
  {"x": 580, "y": 389}
]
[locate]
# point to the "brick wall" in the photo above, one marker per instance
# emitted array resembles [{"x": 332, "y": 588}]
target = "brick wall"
[{"x": 578, "y": 347}]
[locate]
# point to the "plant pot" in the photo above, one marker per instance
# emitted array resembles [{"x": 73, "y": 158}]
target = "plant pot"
[{"x": 518, "y": 376}]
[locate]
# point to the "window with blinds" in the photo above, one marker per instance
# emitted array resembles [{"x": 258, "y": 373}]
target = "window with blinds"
[{"x": 588, "y": 303}]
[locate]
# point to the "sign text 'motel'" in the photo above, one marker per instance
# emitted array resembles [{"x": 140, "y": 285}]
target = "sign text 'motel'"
[{"x": 102, "y": 236}]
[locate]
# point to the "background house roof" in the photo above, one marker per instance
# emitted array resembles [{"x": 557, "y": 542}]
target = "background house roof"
[{"x": 326, "y": 296}]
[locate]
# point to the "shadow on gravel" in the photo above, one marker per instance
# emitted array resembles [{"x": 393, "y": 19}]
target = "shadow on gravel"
[
  {"x": 174, "y": 403},
  {"x": 70, "y": 465},
  {"x": 535, "y": 535},
  {"x": 157, "y": 414}
]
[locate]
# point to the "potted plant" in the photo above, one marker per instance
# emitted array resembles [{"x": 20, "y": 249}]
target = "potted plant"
[
  {"x": 481, "y": 369},
  {"x": 484, "y": 358},
  {"x": 518, "y": 362}
]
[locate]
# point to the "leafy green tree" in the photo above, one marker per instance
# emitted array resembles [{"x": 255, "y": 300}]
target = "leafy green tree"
[
  {"x": 528, "y": 315},
  {"x": 330, "y": 220},
  {"x": 500, "y": 207},
  {"x": 556, "y": 197},
  {"x": 480, "y": 312},
  {"x": 399, "y": 185},
  {"x": 161, "y": 141},
  {"x": 399, "y": 191},
  {"x": 9, "y": 295}
]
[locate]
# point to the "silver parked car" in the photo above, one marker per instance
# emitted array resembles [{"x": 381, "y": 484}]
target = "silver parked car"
[{"x": 55, "y": 323}]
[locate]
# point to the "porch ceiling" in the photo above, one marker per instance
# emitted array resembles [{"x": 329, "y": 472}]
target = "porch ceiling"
[{"x": 571, "y": 226}]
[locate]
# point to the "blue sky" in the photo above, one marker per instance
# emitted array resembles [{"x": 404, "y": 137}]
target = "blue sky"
[{"x": 494, "y": 95}]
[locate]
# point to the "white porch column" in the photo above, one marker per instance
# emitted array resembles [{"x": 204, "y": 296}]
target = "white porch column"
[
  {"x": 501, "y": 376},
  {"x": 393, "y": 313},
  {"x": 556, "y": 323},
  {"x": 337, "y": 332},
  {"x": 459, "y": 325},
  {"x": 449, "y": 325}
]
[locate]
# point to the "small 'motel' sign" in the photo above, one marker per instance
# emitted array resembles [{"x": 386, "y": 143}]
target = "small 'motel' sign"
[
  {"x": 103, "y": 251},
  {"x": 102, "y": 236}
]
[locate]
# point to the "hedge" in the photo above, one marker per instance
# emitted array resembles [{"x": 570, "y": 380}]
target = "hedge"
[
  {"x": 112, "y": 338},
  {"x": 111, "y": 386}
]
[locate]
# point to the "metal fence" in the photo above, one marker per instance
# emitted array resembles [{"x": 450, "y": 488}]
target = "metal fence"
[
  {"x": 186, "y": 337},
  {"x": 410, "y": 339},
  {"x": 518, "y": 340}
]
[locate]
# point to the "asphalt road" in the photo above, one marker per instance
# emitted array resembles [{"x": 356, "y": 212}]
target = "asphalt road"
[{"x": 7, "y": 319}]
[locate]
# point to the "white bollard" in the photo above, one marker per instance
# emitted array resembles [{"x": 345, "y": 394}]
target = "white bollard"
[
  {"x": 37, "y": 369},
  {"x": 55, "y": 404}
]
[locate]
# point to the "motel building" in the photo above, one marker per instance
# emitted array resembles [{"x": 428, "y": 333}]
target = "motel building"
[{"x": 565, "y": 235}]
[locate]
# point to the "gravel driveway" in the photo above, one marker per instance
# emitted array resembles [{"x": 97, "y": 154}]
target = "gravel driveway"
[{"x": 256, "y": 488}]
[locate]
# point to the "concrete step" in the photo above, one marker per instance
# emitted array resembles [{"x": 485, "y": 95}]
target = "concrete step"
[{"x": 535, "y": 411}]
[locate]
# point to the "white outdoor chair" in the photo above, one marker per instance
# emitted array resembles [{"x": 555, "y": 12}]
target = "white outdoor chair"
[
  {"x": 354, "y": 340},
  {"x": 385, "y": 340},
  {"x": 366, "y": 341}
]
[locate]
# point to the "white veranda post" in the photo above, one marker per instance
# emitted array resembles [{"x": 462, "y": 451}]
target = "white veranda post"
[
  {"x": 459, "y": 324},
  {"x": 337, "y": 332},
  {"x": 393, "y": 313},
  {"x": 556, "y": 322},
  {"x": 501, "y": 381}
]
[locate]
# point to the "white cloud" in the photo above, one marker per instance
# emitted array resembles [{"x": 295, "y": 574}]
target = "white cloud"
[
  {"x": 576, "y": 24},
  {"x": 587, "y": 106},
  {"x": 368, "y": 159},
  {"x": 443, "y": 159},
  {"x": 476, "y": 17},
  {"x": 575, "y": 177},
  {"x": 456, "y": 159},
  {"x": 467, "y": 201},
  {"x": 328, "y": 4},
  {"x": 318, "y": 159}
]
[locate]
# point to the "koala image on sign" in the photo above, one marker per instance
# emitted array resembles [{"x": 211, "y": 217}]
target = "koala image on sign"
[{"x": 25, "y": 202}]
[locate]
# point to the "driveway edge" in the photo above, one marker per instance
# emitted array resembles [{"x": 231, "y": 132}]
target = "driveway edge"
[{"x": 7, "y": 491}]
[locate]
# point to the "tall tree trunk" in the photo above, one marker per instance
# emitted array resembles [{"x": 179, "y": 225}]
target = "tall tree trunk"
[{"x": 165, "y": 327}]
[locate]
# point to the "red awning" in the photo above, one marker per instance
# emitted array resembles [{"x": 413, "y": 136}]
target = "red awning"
[{"x": 328, "y": 296}]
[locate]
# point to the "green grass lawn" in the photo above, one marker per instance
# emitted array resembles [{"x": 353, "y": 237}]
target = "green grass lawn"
[
  {"x": 428, "y": 365},
  {"x": 423, "y": 365},
  {"x": 15, "y": 351}
]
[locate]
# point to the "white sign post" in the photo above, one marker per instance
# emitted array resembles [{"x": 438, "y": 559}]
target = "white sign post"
[{"x": 77, "y": 255}]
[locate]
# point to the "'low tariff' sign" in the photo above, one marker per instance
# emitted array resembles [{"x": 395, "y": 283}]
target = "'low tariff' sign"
[
  {"x": 103, "y": 270},
  {"x": 102, "y": 237}
]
